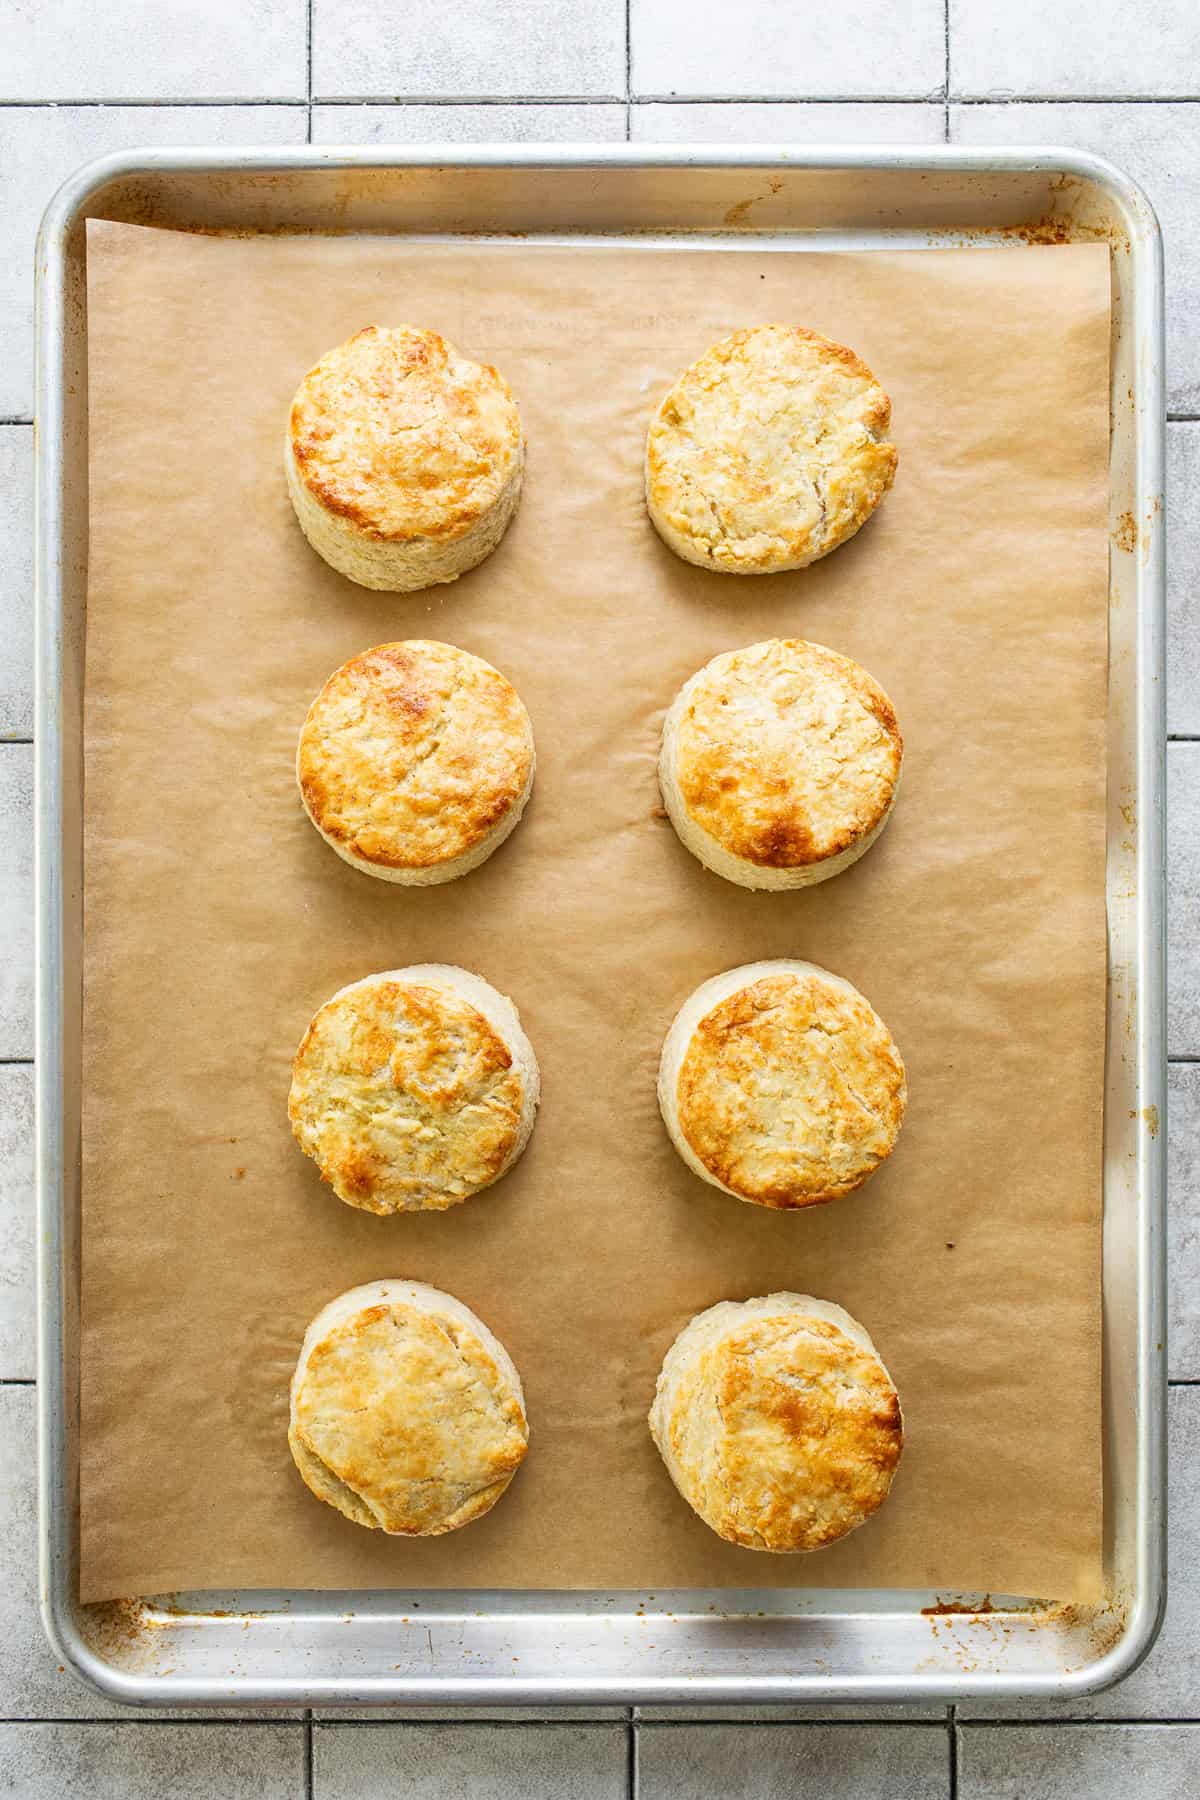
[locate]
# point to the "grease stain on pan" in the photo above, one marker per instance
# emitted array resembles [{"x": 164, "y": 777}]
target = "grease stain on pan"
[
  {"x": 970, "y": 1608},
  {"x": 1057, "y": 226},
  {"x": 1125, "y": 535},
  {"x": 1131, "y": 534},
  {"x": 1089, "y": 1632},
  {"x": 737, "y": 215}
]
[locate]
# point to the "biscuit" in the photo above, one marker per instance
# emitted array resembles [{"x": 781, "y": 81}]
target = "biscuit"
[
  {"x": 414, "y": 1089},
  {"x": 407, "y": 1413},
  {"x": 768, "y": 452},
  {"x": 780, "y": 763},
  {"x": 404, "y": 459},
  {"x": 780, "y": 1085},
  {"x": 778, "y": 1422},
  {"x": 415, "y": 761}
]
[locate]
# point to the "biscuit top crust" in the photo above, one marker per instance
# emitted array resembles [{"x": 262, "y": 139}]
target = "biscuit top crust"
[
  {"x": 769, "y": 451},
  {"x": 412, "y": 753},
  {"x": 791, "y": 1091},
  {"x": 786, "y": 1432},
  {"x": 786, "y": 753},
  {"x": 410, "y": 1412},
  {"x": 405, "y": 1096},
  {"x": 400, "y": 435}
]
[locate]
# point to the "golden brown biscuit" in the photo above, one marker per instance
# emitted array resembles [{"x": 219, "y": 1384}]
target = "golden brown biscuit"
[
  {"x": 781, "y": 1085},
  {"x": 780, "y": 763},
  {"x": 403, "y": 458},
  {"x": 778, "y": 1422},
  {"x": 414, "y": 1089},
  {"x": 415, "y": 761},
  {"x": 768, "y": 452},
  {"x": 407, "y": 1413}
]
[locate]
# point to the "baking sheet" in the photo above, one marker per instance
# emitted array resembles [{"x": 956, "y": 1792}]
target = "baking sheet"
[{"x": 216, "y": 921}]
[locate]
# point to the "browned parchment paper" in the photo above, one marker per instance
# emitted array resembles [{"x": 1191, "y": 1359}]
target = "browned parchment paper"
[{"x": 217, "y": 920}]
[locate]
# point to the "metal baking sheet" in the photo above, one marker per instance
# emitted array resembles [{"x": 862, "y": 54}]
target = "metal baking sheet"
[{"x": 329, "y": 1649}]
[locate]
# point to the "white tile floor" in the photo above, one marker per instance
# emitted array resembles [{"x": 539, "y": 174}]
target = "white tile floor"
[
  {"x": 759, "y": 49},
  {"x": 76, "y": 80},
  {"x": 366, "y": 50}
]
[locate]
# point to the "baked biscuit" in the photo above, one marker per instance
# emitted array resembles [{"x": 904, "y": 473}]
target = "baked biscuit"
[
  {"x": 768, "y": 452},
  {"x": 780, "y": 763},
  {"x": 415, "y": 761},
  {"x": 404, "y": 459},
  {"x": 780, "y": 1085},
  {"x": 407, "y": 1413},
  {"x": 414, "y": 1089},
  {"x": 778, "y": 1422}
]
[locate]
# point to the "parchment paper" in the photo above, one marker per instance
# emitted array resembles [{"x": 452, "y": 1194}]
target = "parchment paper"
[{"x": 217, "y": 920}]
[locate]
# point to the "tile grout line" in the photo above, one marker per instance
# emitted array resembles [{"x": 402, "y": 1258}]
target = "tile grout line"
[
  {"x": 946, "y": 73},
  {"x": 614, "y": 1725},
  {"x": 952, "y": 1749},
  {"x": 289, "y": 1721},
  {"x": 1075, "y": 99},
  {"x": 296, "y": 1721},
  {"x": 180, "y": 100},
  {"x": 309, "y": 1789},
  {"x": 631, "y": 1760},
  {"x": 973, "y": 1722},
  {"x": 632, "y": 99},
  {"x": 934, "y": 98},
  {"x": 628, "y": 70},
  {"x": 472, "y": 1721},
  {"x": 308, "y": 64},
  {"x": 976, "y": 1722},
  {"x": 381, "y": 100},
  {"x": 416, "y": 99}
]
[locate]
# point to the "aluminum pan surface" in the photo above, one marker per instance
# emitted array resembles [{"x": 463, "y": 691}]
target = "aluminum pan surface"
[{"x": 462, "y": 1648}]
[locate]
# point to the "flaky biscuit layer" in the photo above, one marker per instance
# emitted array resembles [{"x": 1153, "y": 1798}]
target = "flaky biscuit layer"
[
  {"x": 768, "y": 452},
  {"x": 414, "y": 1089},
  {"x": 778, "y": 1422},
  {"x": 407, "y": 1413}
]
